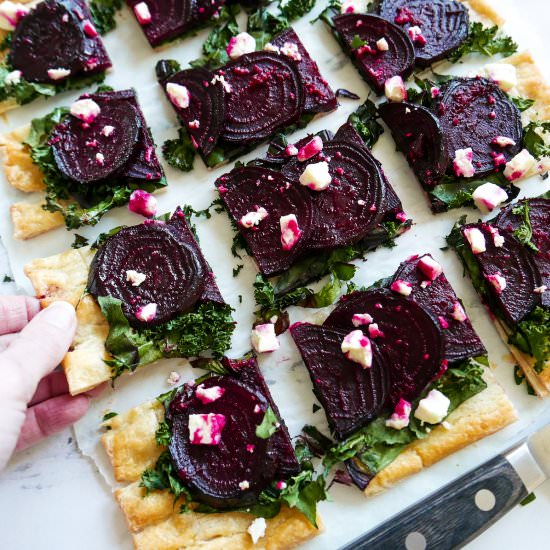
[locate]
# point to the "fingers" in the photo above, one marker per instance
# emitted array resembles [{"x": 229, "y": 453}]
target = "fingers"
[
  {"x": 53, "y": 385},
  {"x": 49, "y": 417},
  {"x": 6, "y": 340},
  {"x": 16, "y": 312}
]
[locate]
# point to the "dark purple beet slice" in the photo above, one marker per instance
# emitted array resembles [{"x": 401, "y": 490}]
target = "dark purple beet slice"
[
  {"x": 319, "y": 97},
  {"x": 75, "y": 145},
  {"x": 376, "y": 66},
  {"x": 352, "y": 203},
  {"x": 444, "y": 25},
  {"x": 206, "y": 106},
  {"x": 278, "y": 152},
  {"x": 248, "y": 187},
  {"x": 211, "y": 292},
  {"x": 461, "y": 340},
  {"x": 170, "y": 258},
  {"x": 360, "y": 476},
  {"x": 413, "y": 343},
  {"x": 213, "y": 472},
  {"x": 351, "y": 395},
  {"x": 52, "y": 36},
  {"x": 267, "y": 94},
  {"x": 472, "y": 113},
  {"x": 516, "y": 264},
  {"x": 280, "y": 449},
  {"x": 417, "y": 133}
]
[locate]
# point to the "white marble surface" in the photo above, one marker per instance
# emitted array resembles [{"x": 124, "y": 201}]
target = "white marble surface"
[{"x": 52, "y": 497}]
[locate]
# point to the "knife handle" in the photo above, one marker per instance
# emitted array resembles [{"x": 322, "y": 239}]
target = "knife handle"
[{"x": 461, "y": 510}]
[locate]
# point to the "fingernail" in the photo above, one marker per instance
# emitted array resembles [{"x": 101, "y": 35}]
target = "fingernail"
[{"x": 59, "y": 314}]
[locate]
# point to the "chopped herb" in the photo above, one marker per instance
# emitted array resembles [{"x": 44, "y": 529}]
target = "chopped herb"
[
  {"x": 294, "y": 9},
  {"x": 269, "y": 425},
  {"x": 520, "y": 378},
  {"x": 357, "y": 42},
  {"x": 163, "y": 435},
  {"x": 529, "y": 498},
  {"x": 7, "y": 279},
  {"x": 240, "y": 298},
  {"x": 237, "y": 270},
  {"x": 364, "y": 120},
  {"x": 103, "y": 13},
  {"x": 533, "y": 139},
  {"x": 79, "y": 241},
  {"x": 164, "y": 476},
  {"x": 315, "y": 408},
  {"x": 179, "y": 153},
  {"x": 108, "y": 416},
  {"x": 524, "y": 232},
  {"x": 342, "y": 92},
  {"x": 522, "y": 103},
  {"x": 532, "y": 336}
]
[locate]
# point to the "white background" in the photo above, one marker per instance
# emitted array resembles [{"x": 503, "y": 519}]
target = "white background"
[{"x": 52, "y": 497}]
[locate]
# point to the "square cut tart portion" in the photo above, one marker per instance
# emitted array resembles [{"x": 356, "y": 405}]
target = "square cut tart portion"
[
  {"x": 145, "y": 292},
  {"x": 402, "y": 377},
  {"x": 52, "y": 46},
  {"x": 211, "y": 465},
  {"x": 86, "y": 160},
  {"x": 508, "y": 260}
]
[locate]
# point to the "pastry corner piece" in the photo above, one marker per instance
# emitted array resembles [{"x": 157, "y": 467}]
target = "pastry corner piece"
[
  {"x": 127, "y": 316},
  {"x": 160, "y": 519}
]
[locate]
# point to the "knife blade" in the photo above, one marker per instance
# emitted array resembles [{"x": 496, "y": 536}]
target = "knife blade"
[{"x": 461, "y": 510}]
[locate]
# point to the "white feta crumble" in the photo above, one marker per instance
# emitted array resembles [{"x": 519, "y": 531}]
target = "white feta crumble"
[
  {"x": 13, "y": 78},
  {"x": 433, "y": 408},
  {"x": 359, "y": 319},
  {"x": 241, "y": 44},
  {"x": 401, "y": 415},
  {"x": 488, "y": 196},
  {"x": 209, "y": 395},
  {"x": 135, "y": 277},
  {"x": 498, "y": 281},
  {"x": 290, "y": 231},
  {"x": 178, "y": 94},
  {"x": 401, "y": 287},
  {"x": 429, "y": 267},
  {"x": 58, "y": 74},
  {"x": 194, "y": 124},
  {"x": 462, "y": 163},
  {"x": 219, "y": 78},
  {"x": 147, "y": 312},
  {"x": 85, "y": 109},
  {"x": 540, "y": 289},
  {"x": 382, "y": 45},
  {"x": 290, "y": 49},
  {"x": 173, "y": 378},
  {"x": 243, "y": 485},
  {"x": 503, "y": 141},
  {"x": 458, "y": 313},
  {"x": 354, "y": 6},
  {"x": 256, "y": 529},
  {"x": 107, "y": 130},
  {"x": 519, "y": 166},
  {"x": 100, "y": 158},
  {"x": 394, "y": 88},
  {"x": 206, "y": 429},
  {"x": 357, "y": 348},
  {"x": 504, "y": 74},
  {"x": 253, "y": 218},
  {"x": 476, "y": 239},
  {"x": 143, "y": 14},
  {"x": 264, "y": 339},
  {"x": 269, "y": 47},
  {"x": 11, "y": 13},
  {"x": 316, "y": 176}
]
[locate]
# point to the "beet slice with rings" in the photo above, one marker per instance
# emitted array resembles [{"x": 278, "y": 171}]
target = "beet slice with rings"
[
  {"x": 539, "y": 215},
  {"x": 412, "y": 342},
  {"x": 319, "y": 97},
  {"x": 204, "y": 118},
  {"x": 438, "y": 297},
  {"x": 174, "y": 268},
  {"x": 279, "y": 153},
  {"x": 418, "y": 135},
  {"x": 515, "y": 264},
  {"x": 376, "y": 66},
  {"x": 248, "y": 188},
  {"x": 351, "y": 395},
  {"x": 215, "y": 474},
  {"x": 443, "y": 24},
  {"x": 472, "y": 113},
  {"x": 264, "y": 93},
  {"x": 76, "y": 146},
  {"x": 352, "y": 203},
  {"x": 52, "y": 36}
]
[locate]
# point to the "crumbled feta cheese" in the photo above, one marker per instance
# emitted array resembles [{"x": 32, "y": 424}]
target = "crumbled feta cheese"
[
  {"x": 243, "y": 485},
  {"x": 503, "y": 141},
  {"x": 498, "y": 281},
  {"x": 401, "y": 287},
  {"x": 256, "y": 529},
  {"x": 250, "y": 448},
  {"x": 141, "y": 9},
  {"x": 290, "y": 49},
  {"x": 354, "y": 6},
  {"x": 394, "y": 88},
  {"x": 359, "y": 319},
  {"x": 241, "y": 44},
  {"x": 269, "y": 47},
  {"x": 85, "y": 109},
  {"x": 290, "y": 231},
  {"x": 13, "y": 78},
  {"x": 107, "y": 130},
  {"x": 401, "y": 415},
  {"x": 209, "y": 395},
  {"x": 416, "y": 36},
  {"x": 433, "y": 408},
  {"x": 316, "y": 176},
  {"x": 291, "y": 150},
  {"x": 429, "y": 267},
  {"x": 100, "y": 158},
  {"x": 540, "y": 289},
  {"x": 173, "y": 378},
  {"x": 498, "y": 239},
  {"x": 147, "y": 312},
  {"x": 264, "y": 339},
  {"x": 543, "y": 165},
  {"x": 280, "y": 485},
  {"x": 434, "y": 91},
  {"x": 310, "y": 149},
  {"x": 476, "y": 239},
  {"x": 89, "y": 29},
  {"x": 382, "y": 45},
  {"x": 58, "y": 74},
  {"x": 488, "y": 196},
  {"x": 375, "y": 332},
  {"x": 143, "y": 203},
  {"x": 135, "y": 277},
  {"x": 458, "y": 312},
  {"x": 219, "y": 78},
  {"x": 504, "y": 74},
  {"x": 206, "y": 429},
  {"x": 194, "y": 124},
  {"x": 462, "y": 163},
  {"x": 253, "y": 219},
  {"x": 11, "y": 13},
  {"x": 357, "y": 348},
  {"x": 519, "y": 166},
  {"x": 178, "y": 94}
]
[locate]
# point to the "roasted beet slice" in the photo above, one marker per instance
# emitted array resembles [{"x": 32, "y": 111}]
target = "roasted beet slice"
[
  {"x": 539, "y": 215},
  {"x": 319, "y": 97},
  {"x": 248, "y": 188},
  {"x": 443, "y": 25},
  {"x": 204, "y": 118},
  {"x": 76, "y": 146},
  {"x": 52, "y": 36},
  {"x": 353, "y": 201},
  {"x": 226, "y": 474},
  {"x": 351, "y": 395},
  {"x": 418, "y": 134},
  {"x": 376, "y": 66},
  {"x": 264, "y": 93},
  {"x": 438, "y": 297},
  {"x": 510, "y": 272},
  {"x": 472, "y": 113},
  {"x": 412, "y": 342},
  {"x": 169, "y": 257}
]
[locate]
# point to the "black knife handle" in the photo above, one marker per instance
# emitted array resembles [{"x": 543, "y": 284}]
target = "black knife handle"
[{"x": 450, "y": 517}]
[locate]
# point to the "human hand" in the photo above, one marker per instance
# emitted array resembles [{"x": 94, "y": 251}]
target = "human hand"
[{"x": 34, "y": 401}]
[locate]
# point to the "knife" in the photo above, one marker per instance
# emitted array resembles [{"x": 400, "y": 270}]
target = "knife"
[{"x": 463, "y": 509}]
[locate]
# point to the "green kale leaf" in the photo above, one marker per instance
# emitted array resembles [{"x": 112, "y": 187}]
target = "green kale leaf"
[
  {"x": 534, "y": 138},
  {"x": 364, "y": 120},
  {"x": 179, "y": 153},
  {"x": 532, "y": 336},
  {"x": 103, "y": 13},
  {"x": 524, "y": 232},
  {"x": 268, "y": 426},
  {"x": 522, "y": 103}
]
